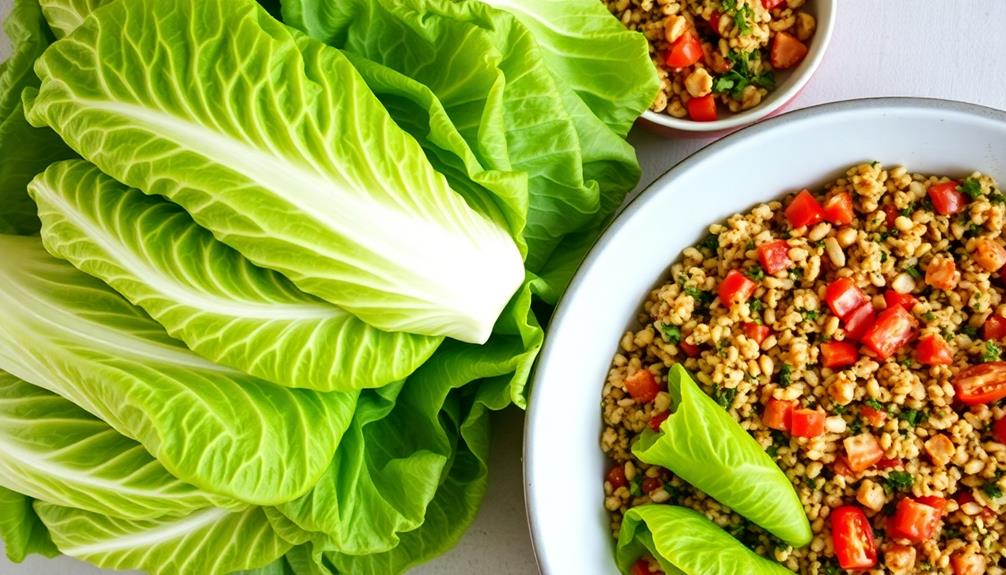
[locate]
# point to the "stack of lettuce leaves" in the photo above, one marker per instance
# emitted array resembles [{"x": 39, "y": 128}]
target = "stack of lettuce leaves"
[{"x": 266, "y": 269}]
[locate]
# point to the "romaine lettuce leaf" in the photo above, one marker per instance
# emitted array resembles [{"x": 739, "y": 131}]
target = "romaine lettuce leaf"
[
  {"x": 412, "y": 497},
  {"x": 488, "y": 74},
  {"x": 703, "y": 445},
  {"x": 220, "y": 430},
  {"x": 54, "y": 451},
  {"x": 207, "y": 294},
  {"x": 64, "y": 16},
  {"x": 457, "y": 499},
  {"x": 24, "y": 150},
  {"x": 281, "y": 150},
  {"x": 208, "y": 542},
  {"x": 684, "y": 542},
  {"x": 20, "y": 528},
  {"x": 590, "y": 50}
]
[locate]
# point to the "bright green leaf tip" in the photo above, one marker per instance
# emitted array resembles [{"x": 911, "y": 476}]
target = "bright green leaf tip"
[{"x": 702, "y": 444}]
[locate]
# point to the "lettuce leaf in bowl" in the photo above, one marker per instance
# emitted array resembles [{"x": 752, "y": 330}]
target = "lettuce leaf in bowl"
[
  {"x": 706, "y": 447},
  {"x": 684, "y": 542}
]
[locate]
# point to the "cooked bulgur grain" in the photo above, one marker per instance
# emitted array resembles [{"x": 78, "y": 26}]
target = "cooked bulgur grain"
[
  {"x": 904, "y": 424},
  {"x": 710, "y": 52}
]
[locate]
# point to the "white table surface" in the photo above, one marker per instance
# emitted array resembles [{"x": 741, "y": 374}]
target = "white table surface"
[{"x": 949, "y": 49}]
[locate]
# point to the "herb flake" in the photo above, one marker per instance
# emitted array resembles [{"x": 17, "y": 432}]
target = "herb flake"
[
  {"x": 670, "y": 333},
  {"x": 898, "y": 481}
]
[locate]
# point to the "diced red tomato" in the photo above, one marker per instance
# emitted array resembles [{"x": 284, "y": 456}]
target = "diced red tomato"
[
  {"x": 962, "y": 497},
  {"x": 843, "y": 297},
  {"x": 938, "y": 503},
  {"x": 941, "y": 273},
  {"x": 657, "y": 419},
  {"x": 684, "y": 52},
  {"x": 779, "y": 414},
  {"x": 838, "y": 354},
  {"x": 860, "y": 320},
  {"x": 862, "y": 451},
  {"x": 806, "y": 422},
  {"x": 690, "y": 349},
  {"x": 891, "y": 213},
  {"x": 702, "y": 109},
  {"x": 641, "y": 567},
  {"x": 714, "y": 21},
  {"x": 786, "y": 51},
  {"x": 774, "y": 257},
  {"x": 756, "y": 332},
  {"x": 989, "y": 254},
  {"x": 888, "y": 463},
  {"x": 642, "y": 386},
  {"x": 770, "y": 4},
  {"x": 804, "y": 210},
  {"x": 914, "y": 520},
  {"x": 905, "y": 300},
  {"x": 946, "y": 199},
  {"x": 852, "y": 536},
  {"x": 1000, "y": 430},
  {"x": 841, "y": 467},
  {"x": 616, "y": 477},
  {"x": 983, "y": 383},
  {"x": 838, "y": 209},
  {"x": 874, "y": 417},
  {"x": 651, "y": 484},
  {"x": 932, "y": 349},
  {"x": 994, "y": 328},
  {"x": 894, "y": 328},
  {"x": 736, "y": 288},
  {"x": 968, "y": 562}
]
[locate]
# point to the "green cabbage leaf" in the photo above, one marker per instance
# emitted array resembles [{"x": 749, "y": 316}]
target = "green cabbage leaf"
[
  {"x": 209, "y": 541},
  {"x": 282, "y": 152},
  {"x": 24, "y": 150},
  {"x": 54, "y": 451},
  {"x": 489, "y": 76},
  {"x": 22, "y": 531},
  {"x": 218, "y": 429},
  {"x": 207, "y": 294},
  {"x": 589, "y": 49},
  {"x": 64, "y": 16}
]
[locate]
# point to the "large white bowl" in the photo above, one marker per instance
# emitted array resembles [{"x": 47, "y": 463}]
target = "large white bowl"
[{"x": 563, "y": 464}]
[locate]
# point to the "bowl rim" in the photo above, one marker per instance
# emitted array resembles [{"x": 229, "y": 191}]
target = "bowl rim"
[
  {"x": 639, "y": 202},
  {"x": 776, "y": 100}
]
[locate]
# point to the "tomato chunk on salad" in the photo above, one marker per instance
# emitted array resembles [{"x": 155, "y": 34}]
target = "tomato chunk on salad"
[
  {"x": 914, "y": 520},
  {"x": 893, "y": 329},
  {"x": 804, "y": 210},
  {"x": 852, "y": 536}
]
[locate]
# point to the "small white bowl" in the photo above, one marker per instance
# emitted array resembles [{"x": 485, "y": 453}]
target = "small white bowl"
[
  {"x": 788, "y": 83},
  {"x": 563, "y": 463}
]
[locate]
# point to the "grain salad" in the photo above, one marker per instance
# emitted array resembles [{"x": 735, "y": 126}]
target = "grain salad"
[
  {"x": 856, "y": 333},
  {"x": 714, "y": 55}
]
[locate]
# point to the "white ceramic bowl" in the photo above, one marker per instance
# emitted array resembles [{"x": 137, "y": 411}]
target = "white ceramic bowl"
[
  {"x": 789, "y": 83},
  {"x": 563, "y": 463}
]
